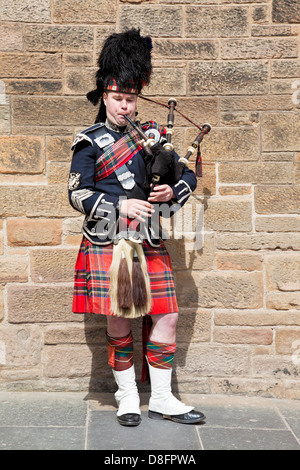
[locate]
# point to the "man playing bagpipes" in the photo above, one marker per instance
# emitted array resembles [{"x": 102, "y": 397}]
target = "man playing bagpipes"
[{"x": 123, "y": 269}]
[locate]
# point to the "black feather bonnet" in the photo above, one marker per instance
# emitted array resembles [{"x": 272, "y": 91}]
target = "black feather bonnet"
[{"x": 124, "y": 64}]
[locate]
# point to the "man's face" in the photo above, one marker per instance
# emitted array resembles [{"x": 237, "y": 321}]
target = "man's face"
[{"x": 117, "y": 105}]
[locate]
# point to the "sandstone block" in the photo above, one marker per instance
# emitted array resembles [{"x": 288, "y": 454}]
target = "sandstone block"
[
  {"x": 227, "y": 78},
  {"x": 269, "y": 388},
  {"x": 260, "y": 13},
  {"x": 155, "y": 19},
  {"x": 215, "y": 360},
  {"x": 185, "y": 49},
  {"x": 21, "y": 155},
  {"x": 68, "y": 11},
  {"x": 58, "y": 172},
  {"x": 4, "y": 120},
  {"x": 13, "y": 269},
  {"x": 229, "y": 215},
  {"x": 235, "y": 190},
  {"x": 256, "y": 173},
  {"x": 34, "y": 87},
  {"x": 52, "y": 111},
  {"x": 292, "y": 390},
  {"x": 73, "y": 226},
  {"x": 73, "y": 240},
  {"x": 1, "y": 243},
  {"x": 283, "y": 272},
  {"x": 297, "y": 173},
  {"x": 262, "y": 317},
  {"x": 259, "y": 48},
  {"x": 194, "y": 325},
  {"x": 272, "y": 30},
  {"x": 278, "y": 156},
  {"x": 224, "y": 144},
  {"x": 1, "y": 303},
  {"x": 21, "y": 345},
  {"x": 71, "y": 361},
  {"x": 256, "y": 103},
  {"x": 243, "y": 335},
  {"x": 36, "y": 129},
  {"x": 78, "y": 60},
  {"x": 53, "y": 265},
  {"x": 40, "y": 304},
  {"x": 286, "y": 11},
  {"x": 58, "y": 38},
  {"x": 58, "y": 148},
  {"x": 202, "y": 258},
  {"x": 287, "y": 340},
  {"x": 283, "y": 86},
  {"x": 239, "y": 118},
  {"x": 67, "y": 361},
  {"x": 11, "y": 36},
  {"x": 207, "y": 183},
  {"x": 17, "y": 65},
  {"x": 283, "y": 300},
  {"x": 173, "y": 80},
  {"x": 286, "y": 68},
  {"x": 277, "y": 224},
  {"x": 239, "y": 261},
  {"x": 76, "y": 334},
  {"x": 277, "y": 199},
  {"x": 258, "y": 241},
  {"x": 216, "y": 21},
  {"x": 79, "y": 80},
  {"x": 281, "y": 132},
  {"x": 31, "y": 11},
  {"x": 220, "y": 290},
  {"x": 35, "y": 201},
  {"x": 32, "y": 232},
  {"x": 274, "y": 367}
]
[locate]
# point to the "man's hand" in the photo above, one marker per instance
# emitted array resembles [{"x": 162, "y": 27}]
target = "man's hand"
[
  {"x": 136, "y": 209},
  {"x": 161, "y": 193}
]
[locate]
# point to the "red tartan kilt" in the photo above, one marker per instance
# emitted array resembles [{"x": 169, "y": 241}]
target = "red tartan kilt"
[{"x": 92, "y": 279}]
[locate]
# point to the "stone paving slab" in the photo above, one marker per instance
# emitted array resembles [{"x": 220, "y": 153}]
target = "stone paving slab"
[
  {"x": 82, "y": 421},
  {"x": 105, "y": 433}
]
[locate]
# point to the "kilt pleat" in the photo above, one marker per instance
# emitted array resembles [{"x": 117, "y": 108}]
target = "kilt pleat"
[{"x": 92, "y": 279}]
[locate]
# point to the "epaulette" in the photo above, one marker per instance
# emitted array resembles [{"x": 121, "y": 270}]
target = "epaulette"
[
  {"x": 83, "y": 134},
  {"x": 92, "y": 128}
]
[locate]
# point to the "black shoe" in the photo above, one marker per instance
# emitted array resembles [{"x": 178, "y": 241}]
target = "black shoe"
[
  {"x": 192, "y": 417},
  {"x": 129, "y": 419}
]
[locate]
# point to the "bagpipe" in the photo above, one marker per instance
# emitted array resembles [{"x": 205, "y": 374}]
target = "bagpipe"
[
  {"x": 161, "y": 166},
  {"x": 130, "y": 291}
]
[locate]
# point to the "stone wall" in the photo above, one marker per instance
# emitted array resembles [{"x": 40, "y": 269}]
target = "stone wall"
[{"x": 233, "y": 63}]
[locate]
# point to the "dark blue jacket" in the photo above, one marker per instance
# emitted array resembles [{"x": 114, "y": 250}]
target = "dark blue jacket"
[{"x": 97, "y": 200}]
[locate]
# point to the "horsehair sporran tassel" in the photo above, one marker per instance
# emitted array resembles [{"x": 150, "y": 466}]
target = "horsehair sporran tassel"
[
  {"x": 130, "y": 292},
  {"x": 120, "y": 279},
  {"x": 140, "y": 276},
  {"x": 139, "y": 293},
  {"x": 124, "y": 285}
]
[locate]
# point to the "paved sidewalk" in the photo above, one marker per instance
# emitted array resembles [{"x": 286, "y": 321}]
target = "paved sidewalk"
[{"x": 81, "y": 421}]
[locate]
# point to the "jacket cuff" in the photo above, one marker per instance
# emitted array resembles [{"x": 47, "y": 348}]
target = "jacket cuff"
[
  {"x": 181, "y": 190},
  {"x": 105, "y": 207}
]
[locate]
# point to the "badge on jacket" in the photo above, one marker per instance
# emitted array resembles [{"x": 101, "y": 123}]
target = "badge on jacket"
[
  {"x": 74, "y": 181},
  {"x": 104, "y": 141}
]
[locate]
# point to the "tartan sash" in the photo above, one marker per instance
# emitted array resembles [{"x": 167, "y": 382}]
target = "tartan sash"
[
  {"x": 117, "y": 155},
  {"x": 121, "y": 152}
]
